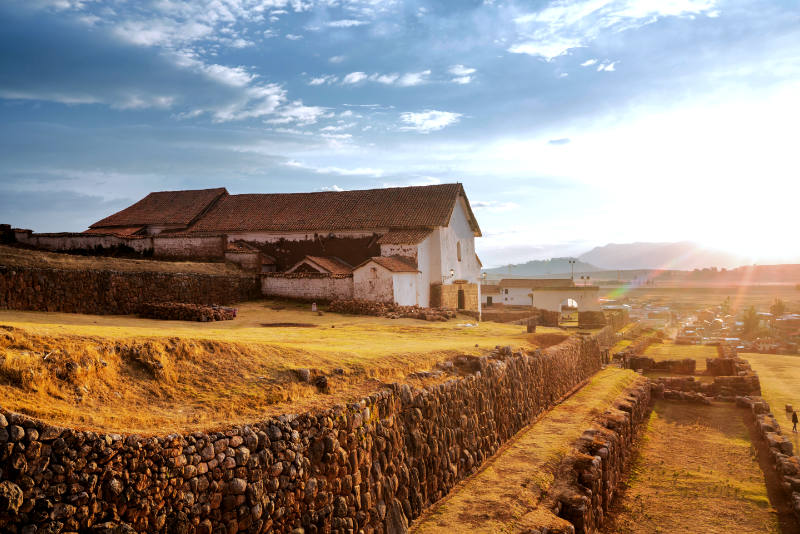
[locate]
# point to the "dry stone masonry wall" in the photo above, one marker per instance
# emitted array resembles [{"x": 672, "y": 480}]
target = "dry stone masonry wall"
[
  {"x": 590, "y": 477},
  {"x": 372, "y": 465},
  {"x": 115, "y": 292}
]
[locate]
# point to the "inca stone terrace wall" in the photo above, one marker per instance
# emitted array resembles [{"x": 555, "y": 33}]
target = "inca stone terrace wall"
[
  {"x": 371, "y": 466},
  {"x": 115, "y": 292}
]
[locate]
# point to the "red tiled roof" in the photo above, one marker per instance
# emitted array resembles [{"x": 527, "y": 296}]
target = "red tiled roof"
[
  {"x": 533, "y": 283},
  {"x": 331, "y": 264},
  {"x": 397, "y": 264},
  {"x": 404, "y": 237},
  {"x": 117, "y": 230},
  {"x": 164, "y": 207},
  {"x": 395, "y": 207}
]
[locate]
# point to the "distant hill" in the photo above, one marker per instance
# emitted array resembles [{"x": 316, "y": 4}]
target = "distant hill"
[
  {"x": 682, "y": 255},
  {"x": 543, "y": 268}
]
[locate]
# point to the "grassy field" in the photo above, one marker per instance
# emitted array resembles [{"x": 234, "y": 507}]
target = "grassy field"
[
  {"x": 503, "y": 496},
  {"x": 98, "y": 372},
  {"x": 695, "y": 472},
  {"x": 695, "y": 298},
  {"x": 13, "y": 256},
  {"x": 780, "y": 385},
  {"x": 670, "y": 351}
]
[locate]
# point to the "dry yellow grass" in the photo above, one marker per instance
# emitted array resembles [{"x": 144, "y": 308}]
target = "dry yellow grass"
[
  {"x": 36, "y": 258},
  {"x": 695, "y": 473},
  {"x": 149, "y": 376},
  {"x": 780, "y": 385},
  {"x": 504, "y": 495},
  {"x": 670, "y": 351}
]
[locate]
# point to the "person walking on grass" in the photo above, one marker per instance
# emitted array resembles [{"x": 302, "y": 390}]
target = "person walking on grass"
[{"x": 794, "y": 421}]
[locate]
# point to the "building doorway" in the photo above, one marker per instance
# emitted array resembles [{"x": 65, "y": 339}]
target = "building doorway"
[
  {"x": 569, "y": 313},
  {"x": 461, "y": 299},
  {"x": 488, "y": 301}
]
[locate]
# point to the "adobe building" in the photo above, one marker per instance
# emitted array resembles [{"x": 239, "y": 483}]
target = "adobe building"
[
  {"x": 405, "y": 245},
  {"x": 543, "y": 293}
]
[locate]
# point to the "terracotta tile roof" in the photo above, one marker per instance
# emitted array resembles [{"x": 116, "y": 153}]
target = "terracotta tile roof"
[
  {"x": 533, "y": 283},
  {"x": 395, "y": 207},
  {"x": 164, "y": 207},
  {"x": 330, "y": 264},
  {"x": 117, "y": 230},
  {"x": 404, "y": 237},
  {"x": 396, "y": 264},
  {"x": 240, "y": 247}
]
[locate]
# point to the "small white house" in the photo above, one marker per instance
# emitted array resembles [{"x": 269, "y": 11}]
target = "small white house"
[{"x": 544, "y": 293}]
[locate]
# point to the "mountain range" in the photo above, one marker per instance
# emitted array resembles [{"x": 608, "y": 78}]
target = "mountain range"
[{"x": 682, "y": 255}]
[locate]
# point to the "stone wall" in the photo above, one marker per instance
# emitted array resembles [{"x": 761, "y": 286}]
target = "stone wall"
[
  {"x": 307, "y": 286},
  {"x": 446, "y": 296},
  {"x": 115, "y": 292},
  {"x": 179, "y": 247},
  {"x": 160, "y": 246},
  {"x": 590, "y": 476},
  {"x": 371, "y": 466},
  {"x": 782, "y": 459}
]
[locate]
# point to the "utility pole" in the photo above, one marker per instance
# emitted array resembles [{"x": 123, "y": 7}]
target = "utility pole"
[{"x": 572, "y": 270}]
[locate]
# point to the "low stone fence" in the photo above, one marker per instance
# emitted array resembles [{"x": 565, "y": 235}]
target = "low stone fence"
[
  {"x": 115, "y": 292},
  {"x": 590, "y": 476},
  {"x": 591, "y": 319},
  {"x": 307, "y": 286},
  {"x": 639, "y": 346},
  {"x": 371, "y": 466},
  {"x": 179, "y": 311},
  {"x": 782, "y": 458},
  {"x": 742, "y": 381},
  {"x": 392, "y": 311},
  {"x": 678, "y": 367}
]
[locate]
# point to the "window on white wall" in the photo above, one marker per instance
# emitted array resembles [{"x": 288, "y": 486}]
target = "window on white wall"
[{"x": 458, "y": 250}]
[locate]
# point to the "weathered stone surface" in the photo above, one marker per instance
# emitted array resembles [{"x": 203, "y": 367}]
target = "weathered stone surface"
[
  {"x": 10, "y": 497},
  {"x": 370, "y": 466}
]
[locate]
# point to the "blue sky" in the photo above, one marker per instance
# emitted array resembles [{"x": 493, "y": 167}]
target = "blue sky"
[{"x": 570, "y": 123}]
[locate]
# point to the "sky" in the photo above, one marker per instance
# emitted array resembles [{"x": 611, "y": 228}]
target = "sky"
[{"x": 571, "y": 124}]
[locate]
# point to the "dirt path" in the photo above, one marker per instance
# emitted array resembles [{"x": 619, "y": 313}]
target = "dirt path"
[
  {"x": 504, "y": 495},
  {"x": 696, "y": 471}
]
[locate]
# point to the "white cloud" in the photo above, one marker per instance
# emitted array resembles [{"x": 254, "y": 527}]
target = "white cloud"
[
  {"x": 333, "y": 187},
  {"x": 354, "y": 77},
  {"x": 567, "y": 24},
  {"x": 386, "y": 79},
  {"x": 293, "y": 37},
  {"x": 233, "y": 76},
  {"x": 589, "y": 62},
  {"x": 295, "y": 112},
  {"x": 428, "y": 121},
  {"x": 462, "y": 74},
  {"x": 336, "y": 59},
  {"x": 413, "y": 78},
  {"x": 326, "y": 79},
  {"x": 607, "y": 67},
  {"x": 358, "y": 171},
  {"x": 460, "y": 70},
  {"x": 345, "y": 23}
]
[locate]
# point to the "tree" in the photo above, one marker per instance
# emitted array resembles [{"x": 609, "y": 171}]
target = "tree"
[
  {"x": 778, "y": 308},
  {"x": 750, "y": 321}
]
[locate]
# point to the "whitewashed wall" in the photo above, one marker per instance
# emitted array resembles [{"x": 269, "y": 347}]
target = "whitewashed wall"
[
  {"x": 321, "y": 287},
  {"x": 373, "y": 282},
  {"x": 405, "y": 289}
]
